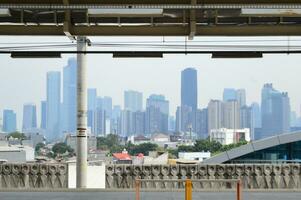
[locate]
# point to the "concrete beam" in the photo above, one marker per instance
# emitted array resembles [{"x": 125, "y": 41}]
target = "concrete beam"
[{"x": 231, "y": 30}]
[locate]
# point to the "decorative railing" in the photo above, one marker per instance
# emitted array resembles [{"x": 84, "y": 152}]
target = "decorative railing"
[
  {"x": 33, "y": 176},
  {"x": 285, "y": 176}
]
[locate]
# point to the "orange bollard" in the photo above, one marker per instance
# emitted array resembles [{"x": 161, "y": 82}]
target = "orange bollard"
[
  {"x": 238, "y": 190},
  {"x": 137, "y": 187},
  {"x": 188, "y": 189}
]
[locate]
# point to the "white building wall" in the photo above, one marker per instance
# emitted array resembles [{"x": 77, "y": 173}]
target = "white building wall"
[
  {"x": 200, "y": 156},
  {"x": 229, "y": 136},
  {"x": 95, "y": 178}
]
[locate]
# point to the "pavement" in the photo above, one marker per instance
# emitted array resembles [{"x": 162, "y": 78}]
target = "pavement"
[{"x": 152, "y": 195}]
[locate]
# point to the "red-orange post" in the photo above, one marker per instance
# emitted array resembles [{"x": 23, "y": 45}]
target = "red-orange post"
[
  {"x": 137, "y": 186},
  {"x": 238, "y": 190}
]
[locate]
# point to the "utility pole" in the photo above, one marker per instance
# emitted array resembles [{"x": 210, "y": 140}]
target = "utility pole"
[{"x": 81, "y": 152}]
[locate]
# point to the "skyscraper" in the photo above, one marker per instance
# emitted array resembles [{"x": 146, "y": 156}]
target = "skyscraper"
[
  {"x": 92, "y": 96},
  {"x": 158, "y": 101},
  {"x": 69, "y": 97},
  {"x": 1, "y": 124},
  {"x": 231, "y": 114},
  {"x": 9, "y": 121},
  {"x": 229, "y": 94},
  {"x": 215, "y": 115},
  {"x": 133, "y": 101},
  {"x": 43, "y": 115},
  {"x": 256, "y": 115},
  {"x": 189, "y": 93},
  {"x": 107, "y": 106},
  {"x": 116, "y": 119},
  {"x": 29, "y": 118},
  {"x": 241, "y": 97},
  {"x": 157, "y": 111},
  {"x": 126, "y": 123},
  {"x": 247, "y": 120},
  {"x": 202, "y": 123},
  {"x": 138, "y": 123},
  {"x": 53, "y": 105},
  {"x": 275, "y": 111}
]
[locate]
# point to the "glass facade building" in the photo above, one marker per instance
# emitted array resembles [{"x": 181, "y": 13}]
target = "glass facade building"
[{"x": 290, "y": 152}]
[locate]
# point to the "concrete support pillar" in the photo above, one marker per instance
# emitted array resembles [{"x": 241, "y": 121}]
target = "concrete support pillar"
[{"x": 81, "y": 152}]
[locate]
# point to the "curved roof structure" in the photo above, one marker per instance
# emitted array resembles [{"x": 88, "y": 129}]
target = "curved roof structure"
[{"x": 254, "y": 146}]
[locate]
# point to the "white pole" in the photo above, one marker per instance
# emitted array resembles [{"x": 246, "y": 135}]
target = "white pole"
[{"x": 81, "y": 153}]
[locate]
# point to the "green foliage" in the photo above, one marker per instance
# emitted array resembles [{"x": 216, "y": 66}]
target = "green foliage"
[
  {"x": 17, "y": 135},
  {"x": 39, "y": 146},
  {"x": 62, "y": 148},
  {"x": 207, "y": 145},
  {"x": 141, "y": 148},
  {"x": 108, "y": 143},
  {"x": 231, "y": 146},
  {"x": 111, "y": 143}
]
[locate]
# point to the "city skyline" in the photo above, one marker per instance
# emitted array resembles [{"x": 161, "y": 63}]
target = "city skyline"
[{"x": 106, "y": 84}]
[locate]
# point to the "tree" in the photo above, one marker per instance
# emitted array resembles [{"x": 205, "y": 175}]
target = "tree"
[
  {"x": 143, "y": 148},
  {"x": 108, "y": 143},
  {"x": 39, "y": 146},
  {"x": 207, "y": 145},
  {"x": 17, "y": 135},
  {"x": 61, "y": 148}
]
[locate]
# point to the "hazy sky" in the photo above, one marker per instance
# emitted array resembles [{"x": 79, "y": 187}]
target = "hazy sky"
[{"x": 24, "y": 80}]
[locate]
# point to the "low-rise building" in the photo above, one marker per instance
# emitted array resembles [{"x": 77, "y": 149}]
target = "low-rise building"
[
  {"x": 122, "y": 158},
  {"x": 70, "y": 140},
  {"x": 230, "y": 136},
  {"x": 194, "y": 156},
  {"x": 17, "y": 154}
]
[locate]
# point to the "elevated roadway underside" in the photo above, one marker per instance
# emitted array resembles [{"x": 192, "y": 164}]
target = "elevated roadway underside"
[{"x": 171, "y": 18}]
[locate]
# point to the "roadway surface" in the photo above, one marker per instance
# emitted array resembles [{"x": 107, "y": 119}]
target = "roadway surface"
[{"x": 116, "y": 195}]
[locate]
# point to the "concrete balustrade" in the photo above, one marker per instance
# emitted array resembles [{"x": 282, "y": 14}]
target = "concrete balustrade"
[
  {"x": 51, "y": 176},
  {"x": 285, "y": 176},
  {"x": 33, "y": 176}
]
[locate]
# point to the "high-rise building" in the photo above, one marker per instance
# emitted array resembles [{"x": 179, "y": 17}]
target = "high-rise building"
[
  {"x": 231, "y": 114},
  {"x": 158, "y": 101},
  {"x": 115, "y": 121},
  {"x": 157, "y": 111},
  {"x": 43, "y": 114},
  {"x": 247, "y": 120},
  {"x": 275, "y": 112},
  {"x": 185, "y": 119},
  {"x": 29, "y": 118},
  {"x": 1, "y": 124},
  {"x": 156, "y": 121},
  {"x": 126, "y": 123},
  {"x": 241, "y": 97},
  {"x": 256, "y": 115},
  {"x": 133, "y": 101},
  {"x": 99, "y": 122},
  {"x": 53, "y": 105},
  {"x": 107, "y": 106},
  {"x": 138, "y": 123},
  {"x": 171, "y": 124},
  {"x": 215, "y": 115},
  {"x": 202, "y": 123},
  {"x": 92, "y": 96},
  {"x": 69, "y": 105},
  {"x": 9, "y": 121},
  {"x": 189, "y": 93},
  {"x": 229, "y": 94}
]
